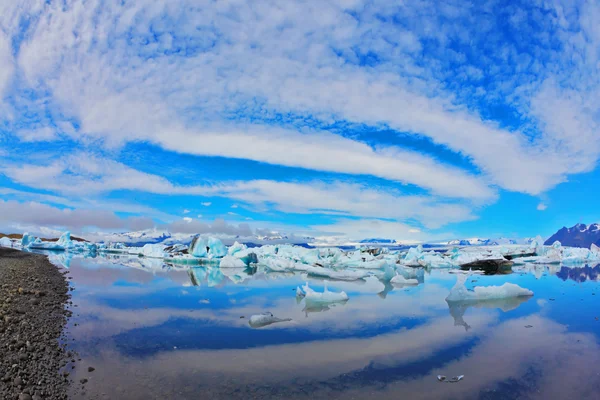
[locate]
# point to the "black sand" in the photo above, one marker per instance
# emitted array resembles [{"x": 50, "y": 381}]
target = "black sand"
[{"x": 33, "y": 296}]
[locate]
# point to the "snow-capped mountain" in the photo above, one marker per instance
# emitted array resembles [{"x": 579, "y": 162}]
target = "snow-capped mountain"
[
  {"x": 487, "y": 242},
  {"x": 579, "y": 235}
]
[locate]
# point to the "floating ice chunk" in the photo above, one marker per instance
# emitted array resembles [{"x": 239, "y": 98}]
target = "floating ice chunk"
[
  {"x": 210, "y": 247},
  {"x": 264, "y": 319},
  {"x": 435, "y": 260},
  {"x": 198, "y": 247},
  {"x": 412, "y": 256},
  {"x": 216, "y": 248},
  {"x": 460, "y": 293},
  {"x": 231, "y": 262},
  {"x": 27, "y": 239},
  {"x": 65, "y": 240},
  {"x": 310, "y": 296},
  {"x": 5, "y": 242},
  {"x": 342, "y": 275},
  {"x": 41, "y": 245},
  {"x": 153, "y": 251},
  {"x": 279, "y": 264},
  {"x": 400, "y": 280},
  {"x": 249, "y": 258},
  {"x": 236, "y": 248}
]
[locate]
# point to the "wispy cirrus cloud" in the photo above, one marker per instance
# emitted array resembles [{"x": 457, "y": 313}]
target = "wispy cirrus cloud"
[
  {"x": 87, "y": 174},
  {"x": 476, "y": 99}
]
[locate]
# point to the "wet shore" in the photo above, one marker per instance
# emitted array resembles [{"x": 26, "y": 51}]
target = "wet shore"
[{"x": 33, "y": 296}]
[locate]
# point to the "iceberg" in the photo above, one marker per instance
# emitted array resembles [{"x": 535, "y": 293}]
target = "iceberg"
[
  {"x": 264, "y": 319},
  {"x": 310, "y": 296},
  {"x": 342, "y": 275},
  {"x": 198, "y": 247},
  {"x": 5, "y": 242},
  {"x": 231, "y": 262},
  {"x": 153, "y": 251},
  {"x": 400, "y": 280},
  {"x": 210, "y": 247},
  {"x": 236, "y": 248},
  {"x": 460, "y": 293},
  {"x": 27, "y": 239},
  {"x": 216, "y": 248},
  {"x": 41, "y": 245}
]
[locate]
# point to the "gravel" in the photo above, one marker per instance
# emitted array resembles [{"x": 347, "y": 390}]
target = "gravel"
[{"x": 33, "y": 296}]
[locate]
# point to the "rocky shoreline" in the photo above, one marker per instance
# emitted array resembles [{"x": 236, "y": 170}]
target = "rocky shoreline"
[{"x": 33, "y": 299}]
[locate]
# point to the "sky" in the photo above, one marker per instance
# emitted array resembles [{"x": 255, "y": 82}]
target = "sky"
[{"x": 414, "y": 120}]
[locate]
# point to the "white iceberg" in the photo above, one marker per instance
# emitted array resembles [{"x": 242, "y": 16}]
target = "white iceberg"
[
  {"x": 231, "y": 262},
  {"x": 341, "y": 275},
  {"x": 5, "y": 242},
  {"x": 460, "y": 293},
  {"x": 400, "y": 280},
  {"x": 236, "y": 248},
  {"x": 153, "y": 251},
  {"x": 264, "y": 319},
  {"x": 310, "y": 296}
]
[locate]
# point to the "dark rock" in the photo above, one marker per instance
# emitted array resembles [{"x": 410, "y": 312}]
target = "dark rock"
[{"x": 489, "y": 266}]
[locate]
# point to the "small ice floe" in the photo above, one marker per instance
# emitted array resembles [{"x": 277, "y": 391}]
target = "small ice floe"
[
  {"x": 460, "y": 293},
  {"x": 342, "y": 275},
  {"x": 442, "y": 378},
  {"x": 401, "y": 280},
  {"x": 264, "y": 319},
  {"x": 326, "y": 297}
]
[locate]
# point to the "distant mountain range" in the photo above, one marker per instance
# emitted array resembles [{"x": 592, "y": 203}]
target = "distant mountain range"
[{"x": 579, "y": 235}]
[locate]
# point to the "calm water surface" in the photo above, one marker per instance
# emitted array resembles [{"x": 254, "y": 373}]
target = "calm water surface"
[{"x": 152, "y": 331}]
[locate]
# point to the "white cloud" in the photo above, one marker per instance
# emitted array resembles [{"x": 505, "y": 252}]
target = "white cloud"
[
  {"x": 542, "y": 207},
  {"x": 14, "y": 214},
  {"x": 206, "y": 203},
  {"x": 43, "y": 134},
  {"x": 186, "y": 211},
  {"x": 246, "y": 57},
  {"x": 344, "y": 199},
  {"x": 86, "y": 174},
  {"x": 303, "y": 61},
  {"x": 187, "y": 219},
  {"x": 372, "y": 228}
]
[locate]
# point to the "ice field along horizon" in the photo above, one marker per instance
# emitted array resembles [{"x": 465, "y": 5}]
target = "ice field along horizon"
[{"x": 520, "y": 322}]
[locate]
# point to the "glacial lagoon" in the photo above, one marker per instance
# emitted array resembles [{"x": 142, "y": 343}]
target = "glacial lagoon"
[{"x": 151, "y": 330}]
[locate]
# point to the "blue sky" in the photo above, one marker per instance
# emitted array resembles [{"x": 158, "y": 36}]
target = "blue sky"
[{"x": 422, "y": 121}]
